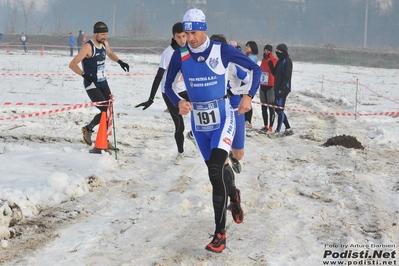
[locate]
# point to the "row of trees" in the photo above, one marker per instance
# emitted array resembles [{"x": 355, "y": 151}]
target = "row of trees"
[{"x": 338, "y": 22}]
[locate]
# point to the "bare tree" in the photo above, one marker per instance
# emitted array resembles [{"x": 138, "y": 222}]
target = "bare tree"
[
  {"x": 137, "y": 25},
  {"x": 39, "y": 20},
  {"x": 26, "y": 7},
  {"x": 11, "y": 20},
  {"x": 59, "y": 9}
]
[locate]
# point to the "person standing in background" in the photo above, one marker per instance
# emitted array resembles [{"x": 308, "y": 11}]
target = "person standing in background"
[
  {"x": 79, "y": 40},
  {"x": 71, "y": 43},
  {"x": 24, "y": 41},
  {"x": 266, "y": 91},
  {"x": 84, "y": 39},
  {"x": 282, "y": 87},
  {"x": 251, "y": 50}
]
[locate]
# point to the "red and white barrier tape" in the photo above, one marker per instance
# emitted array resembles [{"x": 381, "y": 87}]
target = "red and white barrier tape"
[
  {"x": 329, "y": 113},
  {"x": 67, "y": 74},
  {"x": 67, "y": 107},
  {"x": 50, "y": 104}
]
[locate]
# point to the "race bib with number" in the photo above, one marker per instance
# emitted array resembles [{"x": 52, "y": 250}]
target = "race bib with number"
[
  {"x": 206, "y": 116},
  {"x": 264, "y": 79},
  {"x": 100, "y": 73}
]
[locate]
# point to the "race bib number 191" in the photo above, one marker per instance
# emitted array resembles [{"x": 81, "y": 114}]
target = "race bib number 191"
[{"x": 206, "y": 116}]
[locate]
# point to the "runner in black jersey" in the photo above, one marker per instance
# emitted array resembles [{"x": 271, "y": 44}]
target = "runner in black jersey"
[{"x": 92, "y": 55}]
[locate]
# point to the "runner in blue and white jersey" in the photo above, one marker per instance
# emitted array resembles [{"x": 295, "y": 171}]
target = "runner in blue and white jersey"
[{"x": 203, "y": 64}]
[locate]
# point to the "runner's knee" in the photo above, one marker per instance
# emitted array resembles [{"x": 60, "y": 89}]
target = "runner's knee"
[
  {"x": 215, "y": 164},
  {"x": 238, "y": 154}
]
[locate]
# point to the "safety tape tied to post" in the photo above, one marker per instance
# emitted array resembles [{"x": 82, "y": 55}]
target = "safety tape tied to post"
[{"x": 64, "y": 108}]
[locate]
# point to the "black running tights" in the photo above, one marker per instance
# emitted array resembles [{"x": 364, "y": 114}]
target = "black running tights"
[
  {"x": 221, "y": 186},
  {"x": 98, "y": 95},
  {"x": 178, "y": 121}
]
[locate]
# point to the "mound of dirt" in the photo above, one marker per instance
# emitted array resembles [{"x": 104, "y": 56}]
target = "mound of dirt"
[{"x": 345, "y": 141}]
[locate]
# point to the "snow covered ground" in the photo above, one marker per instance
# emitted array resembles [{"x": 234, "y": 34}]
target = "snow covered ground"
[{"x": 305, "y": 204}]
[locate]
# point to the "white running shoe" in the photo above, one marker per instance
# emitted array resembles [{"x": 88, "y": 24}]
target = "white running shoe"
[
  {"x": 276, "y": 134},
  {"x": 179, "y": 158}
]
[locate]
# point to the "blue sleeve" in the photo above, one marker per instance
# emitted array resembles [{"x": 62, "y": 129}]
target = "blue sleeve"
[
  {"x": 230, "y": 53},
  {"x": 173, "y": 69},
  {"x": 241, "y": 74}
]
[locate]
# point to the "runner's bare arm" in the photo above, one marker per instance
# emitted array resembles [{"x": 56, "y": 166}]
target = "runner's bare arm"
[
  {"x": 85, "y": 52},
  {"x": 111, "y": 53},
  {"x": 115, "y": 58}
]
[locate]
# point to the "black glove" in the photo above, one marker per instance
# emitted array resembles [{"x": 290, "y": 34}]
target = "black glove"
[
  {"x": 145, "y": 104},
  {"x": 89, "y": 78},
  {"x": 123, "y": 65}
]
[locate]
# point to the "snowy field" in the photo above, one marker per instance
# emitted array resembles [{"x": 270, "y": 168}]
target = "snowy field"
[{"x": 304, "y": 204}]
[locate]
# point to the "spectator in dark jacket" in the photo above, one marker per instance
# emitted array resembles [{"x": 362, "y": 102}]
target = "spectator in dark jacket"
[
  {"x": 80, "y": 40},
  {"x": 282, "y": 87}
]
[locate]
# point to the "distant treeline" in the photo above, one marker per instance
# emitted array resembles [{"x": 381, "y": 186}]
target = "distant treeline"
[{"x": 359, "y": 23}]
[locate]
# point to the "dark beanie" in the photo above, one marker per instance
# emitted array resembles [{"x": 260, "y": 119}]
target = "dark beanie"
[
  {"x": 268, "y": 47},
  {"x": 100, "y": 27},
  {"x": 177, "y": 28},
  {"x": 283, "y": 48}
]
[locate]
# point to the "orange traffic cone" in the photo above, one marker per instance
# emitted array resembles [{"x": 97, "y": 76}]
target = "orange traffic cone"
[
  {"x": 42, "y": 51},
  {"x": 8, "y": 49},
  {"x": 101, "y": 143}
]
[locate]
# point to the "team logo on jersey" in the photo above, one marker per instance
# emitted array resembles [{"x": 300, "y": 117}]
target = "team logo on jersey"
[
  {"x": 213, "y": 62},
  {"x": 227, "y": 141},
  {"x": 103, "y": 53}
]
